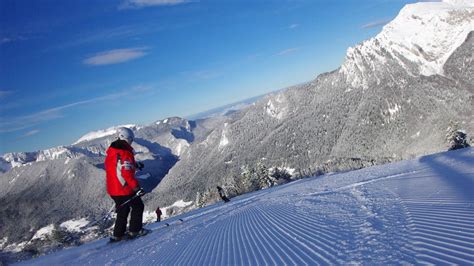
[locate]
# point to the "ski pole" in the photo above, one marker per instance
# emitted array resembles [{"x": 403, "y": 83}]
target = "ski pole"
[
  {"x": 137, "y": 195},
  {"x": 108, "y": 215}
]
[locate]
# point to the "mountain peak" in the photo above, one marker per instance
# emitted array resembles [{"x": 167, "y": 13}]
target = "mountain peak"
[
  {"x": 420, "y": 39},
  {"x": 459, "y": 2},
  {"x": 102, "y": 133}
]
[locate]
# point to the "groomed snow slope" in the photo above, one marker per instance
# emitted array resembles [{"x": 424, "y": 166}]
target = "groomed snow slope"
[{"x": 417, "y": 211}]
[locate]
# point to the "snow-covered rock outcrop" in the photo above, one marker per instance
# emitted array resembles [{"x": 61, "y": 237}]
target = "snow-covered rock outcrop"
[
  {"x": 420, "y": 39},
  {"x": 224, "y": 140},
  {"x": 102, "y": 133},
  {"x": 277, "y": 107},
  {"x": 17, "y": 159}
]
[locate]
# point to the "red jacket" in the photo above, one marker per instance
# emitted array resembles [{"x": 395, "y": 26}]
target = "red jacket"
[{"x": 120, "y": 169}]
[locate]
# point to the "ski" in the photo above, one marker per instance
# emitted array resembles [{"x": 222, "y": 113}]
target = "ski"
[{"x": 165, "y": 225}]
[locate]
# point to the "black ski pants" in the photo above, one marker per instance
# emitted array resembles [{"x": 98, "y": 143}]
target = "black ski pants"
[{"x": 136, "y": 219}]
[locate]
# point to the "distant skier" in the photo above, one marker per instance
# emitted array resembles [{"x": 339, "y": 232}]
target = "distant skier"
[
  {"x": 158, "y": 214},
  {"x": 222, "y": 194},
  {"x": 120, "y": 167}
]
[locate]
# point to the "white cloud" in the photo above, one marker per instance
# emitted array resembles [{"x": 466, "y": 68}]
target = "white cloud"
[
  {"x": 293, "y": 26},
  {"x": 12, "y": 124},
  {"x": 134, "y": 4},
  {"x": 288, "y": 51},
  {"x": 207, "y": 74},
  {"x": 115, "y": 56},
  {"x": 9, "y": 39},
  {"x": 115, "y": 34},
  {"x": 376, "y": 23},
  {"x": 30, "y": 133},
  {"x": 27, "y": 121},
  {"x": 5, "y": 93},
  {"x": 6, "y": 40}
]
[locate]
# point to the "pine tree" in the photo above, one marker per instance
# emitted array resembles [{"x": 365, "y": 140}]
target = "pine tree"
[
  {"x": 456, "y": 138},
  {"x": 263, "y": 175},
  {"x": 249, "y": 180},
  {"x": 200, "y": 200},
  {"x": 280, "y": 175}
]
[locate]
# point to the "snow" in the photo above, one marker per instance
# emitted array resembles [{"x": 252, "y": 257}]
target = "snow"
[
  {"x": 3, "y": 241},
  {"x": 4, "y": 165},
  {"x": 16, "y": 247},
  {"x": 290, "y": 171},
  {"x": 275, "y": 107},
  {"x": 272, "y": 110},
  {"x": 466, "y": 3},
  {"x": 12, "y": 160},
  {"x": 53, "y": 154},
  {"x": 394, "y": 110},
  {"x": 418, "y": 211},
  {"x": 177, "y": 204},
  {"x": 416, "y": 135},
  {"x": 424, "y": 33},
  {"x": 429, "y": 44},
  {"x": 181, "y": 147},
  {"x": 224, "y": 140},
  {"x": 102, "y": 133},
  {"x": 75, "y": 225},
  {"x": 43, "y": 232},
  {"x": 27, "y": 158},
  {"x": 182, "y": 203},
  {"x": 149, "y": 216}
]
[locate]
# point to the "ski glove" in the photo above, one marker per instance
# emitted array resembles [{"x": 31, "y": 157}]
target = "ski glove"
[{"x": 140, "y": 192}]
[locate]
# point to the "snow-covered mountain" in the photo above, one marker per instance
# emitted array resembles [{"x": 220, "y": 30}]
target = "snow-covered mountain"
[
  {"x": 420, "y": 39},
  {"x": 18, "y": 159},
  {"x": 394, "y": 98},
  {"x": 388, "y": 101},
  {"x": 103, "y": 133},
  {"x": 53, "y": 186},
  {"x": 226, "y": 109},
  {"x": 76, "y": 150},
  {"x": 411, "y": 212},
  {"x": 171, "y": 133}
]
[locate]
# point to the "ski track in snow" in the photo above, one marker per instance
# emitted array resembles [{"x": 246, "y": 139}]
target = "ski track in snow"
[{"x": 412, "y": 212}]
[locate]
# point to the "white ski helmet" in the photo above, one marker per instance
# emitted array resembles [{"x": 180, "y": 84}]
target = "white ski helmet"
[{"x": 126, "y": 134}]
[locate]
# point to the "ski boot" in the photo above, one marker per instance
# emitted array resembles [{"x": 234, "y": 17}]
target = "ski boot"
[{"x": 142, "y": 232}]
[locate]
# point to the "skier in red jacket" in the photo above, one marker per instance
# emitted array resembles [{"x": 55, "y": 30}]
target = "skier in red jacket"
[{"x": 120, "y": 167}]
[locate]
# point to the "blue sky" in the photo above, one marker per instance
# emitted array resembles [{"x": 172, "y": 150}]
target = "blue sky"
[{"x": 71, "y": 67}]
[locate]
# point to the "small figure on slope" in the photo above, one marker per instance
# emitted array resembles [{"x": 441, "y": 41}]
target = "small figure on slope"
[
  {"x": 158, "y": 214},
  {"x": 120, "y": 167},
  {"x": 222, "y": 194}
]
